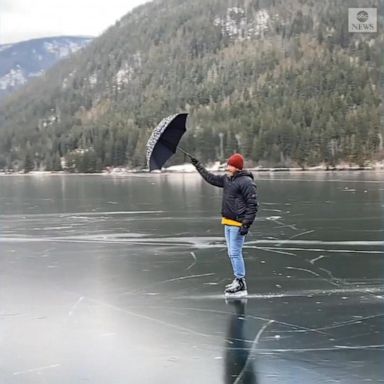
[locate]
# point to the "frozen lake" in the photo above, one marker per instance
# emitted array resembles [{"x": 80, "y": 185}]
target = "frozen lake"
[{"x": 119, "y": 280}]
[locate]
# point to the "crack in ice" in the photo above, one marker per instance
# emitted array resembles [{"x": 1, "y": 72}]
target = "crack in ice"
[{"x": 39, "y": 369}]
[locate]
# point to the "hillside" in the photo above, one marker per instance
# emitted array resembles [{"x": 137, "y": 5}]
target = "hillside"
[
  {"x": 22, "y": 61},
  {"x": 282, "y": 81}
]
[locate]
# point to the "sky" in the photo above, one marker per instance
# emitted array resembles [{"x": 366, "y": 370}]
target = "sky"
[{"x": 25, "y": 19}]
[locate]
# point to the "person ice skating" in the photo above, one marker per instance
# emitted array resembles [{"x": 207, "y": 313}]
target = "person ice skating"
[{"x": 239, "y": 208}]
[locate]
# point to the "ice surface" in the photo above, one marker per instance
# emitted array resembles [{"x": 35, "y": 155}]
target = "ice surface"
[{"x": 131, "y": 292}]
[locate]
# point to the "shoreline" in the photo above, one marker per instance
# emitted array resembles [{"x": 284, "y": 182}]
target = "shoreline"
[{"x": 179, "y": 170}]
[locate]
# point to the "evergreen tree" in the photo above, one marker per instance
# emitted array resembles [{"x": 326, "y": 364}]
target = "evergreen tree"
[{"x": 28, "y": 164}]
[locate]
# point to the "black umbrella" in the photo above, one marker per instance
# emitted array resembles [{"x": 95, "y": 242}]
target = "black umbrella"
[{"x": 164, "y": 140}]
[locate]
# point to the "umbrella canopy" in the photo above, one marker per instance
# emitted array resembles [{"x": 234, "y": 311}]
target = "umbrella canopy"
[{"x": 164, "y": 140}]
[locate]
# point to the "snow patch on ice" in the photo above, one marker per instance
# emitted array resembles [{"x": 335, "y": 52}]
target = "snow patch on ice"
[{"x": 4, "y": 47}]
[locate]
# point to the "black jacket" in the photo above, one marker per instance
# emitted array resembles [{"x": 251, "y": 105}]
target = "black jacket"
[{"x": 239, "y": 195}]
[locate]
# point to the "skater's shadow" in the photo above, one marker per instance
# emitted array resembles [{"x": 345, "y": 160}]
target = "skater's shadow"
[{"x": 239, "y": 364}]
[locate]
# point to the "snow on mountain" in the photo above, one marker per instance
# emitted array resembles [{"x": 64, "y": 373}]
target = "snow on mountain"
[
  {"x": 14, "y": 78},
  {"x": 238, "y": 25},
  {"x": 22, "y": 61}
]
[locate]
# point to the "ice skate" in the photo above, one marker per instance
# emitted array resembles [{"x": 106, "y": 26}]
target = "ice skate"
[{"x": 236, "y": 290}]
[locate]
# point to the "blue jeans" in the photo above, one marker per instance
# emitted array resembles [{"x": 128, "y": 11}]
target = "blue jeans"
[{"x": 235, "y": 244}]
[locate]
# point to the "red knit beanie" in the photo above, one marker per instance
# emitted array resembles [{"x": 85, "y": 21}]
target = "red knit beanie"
[{"x": 236, "y": 161}]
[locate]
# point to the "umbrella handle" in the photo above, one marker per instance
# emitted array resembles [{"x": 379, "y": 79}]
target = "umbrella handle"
[{"x": 185, "y": 152}]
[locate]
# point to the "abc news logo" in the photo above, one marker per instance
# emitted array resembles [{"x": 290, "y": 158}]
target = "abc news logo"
[{"x": 362, "y": 20}]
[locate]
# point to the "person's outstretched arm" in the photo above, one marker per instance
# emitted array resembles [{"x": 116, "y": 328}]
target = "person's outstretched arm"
[{"x": 211, "y": 178}]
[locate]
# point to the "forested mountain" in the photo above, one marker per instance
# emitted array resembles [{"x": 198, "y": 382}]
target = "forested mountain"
[
  {"x": 24, "y": 60},
  {"x": 282, "y": 81}
]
